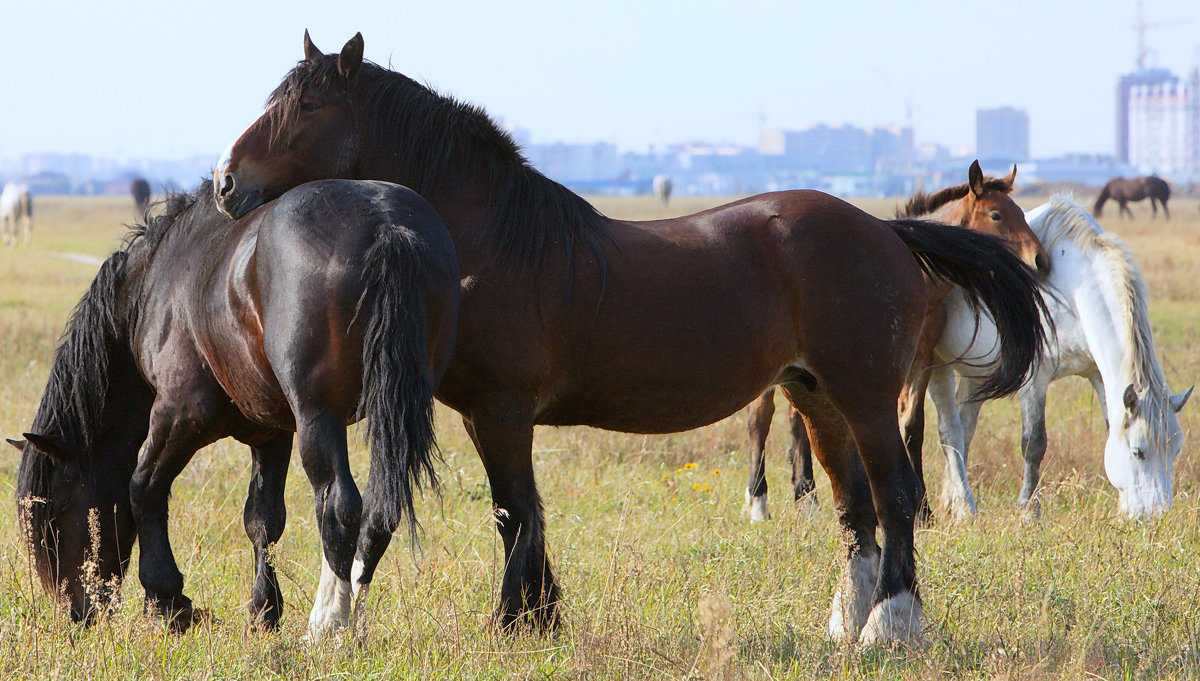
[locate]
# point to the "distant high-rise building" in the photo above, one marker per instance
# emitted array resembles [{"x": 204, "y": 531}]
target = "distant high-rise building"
[
  {"x": 1002, "y": 134},
  {"x": 1126, "y": 83},
  {"x": 1158, "y": 123}
]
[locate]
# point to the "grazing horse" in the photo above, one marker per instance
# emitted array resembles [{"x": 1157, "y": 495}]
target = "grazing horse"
[
  {"x": 570, "y": 318},
  {"x": 1097, "y": 302},
  {"x": 981, "y": 204},
  {"x": 338, "y": 301},
  {"x": 662, "y": 188},
  {"x": 140, "y": 190},
  {"x": 1123, "y": 191},
  {"x": 16, "y": 209}
]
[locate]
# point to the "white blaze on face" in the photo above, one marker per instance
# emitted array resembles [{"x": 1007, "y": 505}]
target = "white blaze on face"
[{"x": 226, "y": 156}]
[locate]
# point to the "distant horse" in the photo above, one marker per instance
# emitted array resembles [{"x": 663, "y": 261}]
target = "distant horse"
[
  {"x": 16, "y": 210},
  {"x": 662, "y": 188},
  {"x": 140, "y": 189},
  {"x": 1098, "y": 305},
  {"x": 334, "y": 303},
  {"x": 981, "y": 204},
  {"x": 1123, "y": 191},
  {"x": 569, "y": 317}
]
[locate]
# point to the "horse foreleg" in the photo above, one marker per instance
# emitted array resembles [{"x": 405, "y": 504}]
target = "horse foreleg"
[
  {"x": 1033, "y": 436},
  {"x": 1124, "y": 210},
  {"x": 264, "y": 518},
  {"x": 504, "y": 440},
  {"x": 836, "y": 452},
  {"x": 956, "y": 490},
  {"x": 800, "y": 452},
  {"x": 758, "y": 424},
  {"x": 178, "y": 428},
  {"x": 321, "y": 436}
]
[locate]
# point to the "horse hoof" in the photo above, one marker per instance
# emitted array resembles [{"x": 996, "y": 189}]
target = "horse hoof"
[
  {"x": 175, "y": 612},
  {"x": 1031, "y": 511},
  {"x": 898, "y": 619},
  {"x": 852, "y": 600},
  {"x": 807, "y": 504},
  {"x": 756, "y": 506}
]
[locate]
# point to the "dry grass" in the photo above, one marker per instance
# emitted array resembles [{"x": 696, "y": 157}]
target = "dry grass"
[{"x": 663, "y": 576}]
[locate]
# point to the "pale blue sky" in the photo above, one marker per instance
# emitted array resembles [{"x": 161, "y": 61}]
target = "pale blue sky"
[{"x": 142, "y": 78}]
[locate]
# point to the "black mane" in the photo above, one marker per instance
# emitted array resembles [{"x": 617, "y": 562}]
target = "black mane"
[
  {"x": 81, "y": 370},
  {"x": 923, "y": 203},
  {"x": 442, "y": 142}
]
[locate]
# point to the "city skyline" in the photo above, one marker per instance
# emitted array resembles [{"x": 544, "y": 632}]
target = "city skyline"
[{"x": 142, "y": 82}]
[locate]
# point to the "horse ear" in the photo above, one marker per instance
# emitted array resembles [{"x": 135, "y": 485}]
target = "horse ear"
[
  {"x": 1130, "y": 398},
  {"x": 19, "y": 444},
  {"x": 1180, "y": 399},
  {"x": 1011, "y": 178},
  {"x": 311, "y": 52},
  {"x": 351, "y": 57},
  {"x": 49, "y": 446},
  {"x": 975, "y": 178}
]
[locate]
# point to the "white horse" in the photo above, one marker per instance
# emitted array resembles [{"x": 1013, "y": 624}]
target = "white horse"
[
  {"x": 662, "y": 187},
  {"x": 16, "y": 208},
  {"x": 1097, "y": 302}
]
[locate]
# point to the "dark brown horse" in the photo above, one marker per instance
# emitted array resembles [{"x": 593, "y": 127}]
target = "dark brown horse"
[
  {"x": 982, "y": 204},
  {"x": 1123, "y": 191},
  {"x": 337, "y": 301},
  {"x": 140, "y": 190},
  {"x": 569, "y": 317}
]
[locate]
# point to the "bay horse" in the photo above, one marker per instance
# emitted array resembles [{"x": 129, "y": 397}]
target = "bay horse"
[
  {"x": 16, "y": 210},
  {"x": 572, "y": 318},
  {"x": 1123, "y": 191},
  {"x": 982, "y": 204},
  {"x": 337, "y": 302},
  {"x": 1098, "y": 305}
]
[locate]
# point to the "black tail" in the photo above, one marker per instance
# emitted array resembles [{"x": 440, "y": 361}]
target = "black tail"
[
  {"x": 992, "y": 277},
  {"x": 397, "y": 396}
]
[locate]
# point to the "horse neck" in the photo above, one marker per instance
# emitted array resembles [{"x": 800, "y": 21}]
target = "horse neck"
[{"x": 1113, "y": 319}]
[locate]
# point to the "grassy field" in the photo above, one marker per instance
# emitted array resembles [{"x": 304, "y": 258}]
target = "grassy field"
[{"x": 663, "y": 576}]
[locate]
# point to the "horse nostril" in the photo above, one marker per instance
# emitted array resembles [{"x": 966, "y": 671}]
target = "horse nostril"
[
  {"x": 1042, "y": 263},
  {"x": 227, "y": 185}
]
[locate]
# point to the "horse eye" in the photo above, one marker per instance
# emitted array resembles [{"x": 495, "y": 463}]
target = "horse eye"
[
  {"x": 309, "y": 107},
  {"x": 996, "y": 216}
]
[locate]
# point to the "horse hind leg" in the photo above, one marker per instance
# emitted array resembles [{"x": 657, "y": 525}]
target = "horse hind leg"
[
  {"x": 264, "y": 518},
  {"x": 322, "y": 442},
  {"x": 851, "y": 490},
  {"x": 800, "y": 452},
  {"x": 758, "y": 423}
]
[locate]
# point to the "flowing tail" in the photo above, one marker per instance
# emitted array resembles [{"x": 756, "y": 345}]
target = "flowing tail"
[
  {"x": 397, "y": 395},
  {"x": 990, "y": 276}
]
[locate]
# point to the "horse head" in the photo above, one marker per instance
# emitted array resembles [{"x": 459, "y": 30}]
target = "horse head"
[
  {"x": 988, "y": 207},
  {"x": 310, "y": 130},
  {"x": 80, "y": 530},
  {"x": 1139, "y": 454}
]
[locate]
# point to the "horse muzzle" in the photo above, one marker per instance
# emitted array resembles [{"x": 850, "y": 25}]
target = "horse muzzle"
[{"x": 235, "y": 198}]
